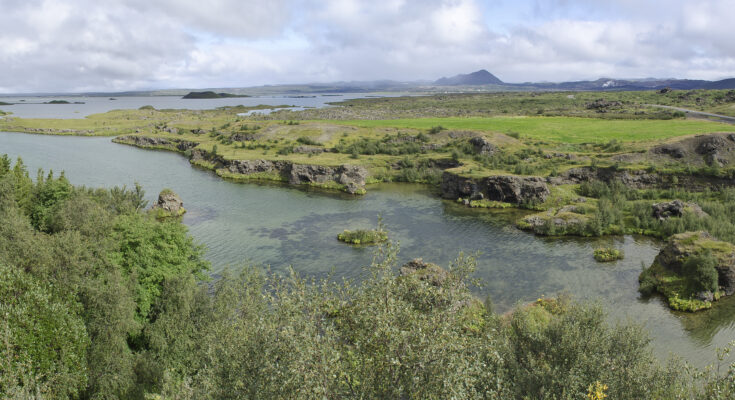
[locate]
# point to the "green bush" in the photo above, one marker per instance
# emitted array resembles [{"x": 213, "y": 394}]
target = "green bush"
[
  {"x": 702, "y": 271},
  {"x": 363, "y": 236},
  {"x": 308, "y": 141},
  {"x": 608, "y": 254}
]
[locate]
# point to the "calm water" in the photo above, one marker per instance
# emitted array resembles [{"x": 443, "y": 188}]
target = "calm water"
[
  {"x": 281, "y": 226},
  {"x": 33, "y": 107}
]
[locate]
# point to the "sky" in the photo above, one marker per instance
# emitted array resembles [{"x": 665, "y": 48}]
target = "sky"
[{"x": 119, "y": 45}]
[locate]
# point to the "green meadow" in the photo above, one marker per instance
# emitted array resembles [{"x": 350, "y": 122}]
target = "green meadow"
[{"x": 559, "y": 129}]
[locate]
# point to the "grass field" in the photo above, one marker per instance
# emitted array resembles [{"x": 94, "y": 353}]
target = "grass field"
[{"x": 560, "y": 129}]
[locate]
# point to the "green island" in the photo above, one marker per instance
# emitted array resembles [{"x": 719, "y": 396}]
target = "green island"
[
  {"x": 580, "y": 163},
  {"x": 363, "y": 236},
  {"x": 101, "y": 299},
  {"x": 211, "y": 95},
  {"x": 608, "y": 254}
]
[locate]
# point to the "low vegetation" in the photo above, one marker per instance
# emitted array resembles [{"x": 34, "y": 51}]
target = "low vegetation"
[
  {"x": 608, "y": 254},
  {"x": 101, "y": 300},
  {"x": 363, "y": 236}
]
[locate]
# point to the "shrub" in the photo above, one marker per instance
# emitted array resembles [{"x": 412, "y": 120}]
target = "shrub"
[
  {"x": 608, "y": 254},
  {"x": 702, "y": 272},
  {"x": 436, "y": 129},
  {"x": 363, "y": 236},
  {"x": 308, "y": 141}
]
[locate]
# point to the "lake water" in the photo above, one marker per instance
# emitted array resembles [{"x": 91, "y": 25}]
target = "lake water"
[
  {"x": 33, "y": 107},
  {"x": 280, "y": 226}
]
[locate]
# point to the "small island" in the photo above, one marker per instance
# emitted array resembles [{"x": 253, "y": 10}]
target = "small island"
[
  {"x": 62, "y": 102},
  {"x": 608, "y": 254},
  {"x": 363, "y": 236},
  {"x": 211, "y": 95},
  {"x": 691, "y": 271}
]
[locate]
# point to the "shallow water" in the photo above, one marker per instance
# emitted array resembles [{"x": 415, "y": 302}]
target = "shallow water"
[
  {"x": 33, "y": 107},
  {"x": 280, "y": 226}
]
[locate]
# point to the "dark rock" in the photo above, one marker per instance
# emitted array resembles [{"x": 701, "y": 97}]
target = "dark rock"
[
  {"x": 602, "y": 104},
  {"x": 156, "y": 142},
  {"x": 308, "y": 149},
  {"x": 482, "y": 146},
  {"x": 507, "y": 188},
  {"x": 675, "y": 208},
  {"x": 636, "y": 179},
  {"x": 664, "y": 90},
  {"x": 711, "y": 144},
  {"x": 675, "y": 151}
]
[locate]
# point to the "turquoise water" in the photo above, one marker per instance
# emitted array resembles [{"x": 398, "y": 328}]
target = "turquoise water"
[{"x": 281, "y": 226}]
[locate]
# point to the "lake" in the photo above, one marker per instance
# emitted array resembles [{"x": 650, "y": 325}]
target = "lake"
[
  {"x": 34, "y": 107},
  {"x": 281, "y": 226}
]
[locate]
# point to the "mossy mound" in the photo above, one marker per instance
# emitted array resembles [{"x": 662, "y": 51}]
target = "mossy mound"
[
  {"x": 363, "y": 236},
  {"x": 608, "y": 254},
  {"x": 691, "y": 271}
]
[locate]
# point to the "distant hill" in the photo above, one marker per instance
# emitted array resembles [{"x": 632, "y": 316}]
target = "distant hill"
[
  {"x": 211, "y": 95},
  {"x": 481, "y": 77}
]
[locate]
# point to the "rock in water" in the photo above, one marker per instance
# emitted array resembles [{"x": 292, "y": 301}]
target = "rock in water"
[{"x": 169, "y": 203}]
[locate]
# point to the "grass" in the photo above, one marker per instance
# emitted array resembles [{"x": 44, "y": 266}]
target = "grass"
[{"x": 558, "y": 129}]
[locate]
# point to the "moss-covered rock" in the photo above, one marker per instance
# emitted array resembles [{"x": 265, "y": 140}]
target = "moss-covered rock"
[
  {"x": 169, "y": 204},
  {"x": 681, "y": 272}
]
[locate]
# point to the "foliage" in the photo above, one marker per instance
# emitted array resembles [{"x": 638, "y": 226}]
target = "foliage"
[
  {"x": 608, "y": 254},
  {"x": 108, "y": 303},
  {"x": 42, "y": 337},
  {"x": 702, "y": 272},
  {"x": 363, "y": 236}
]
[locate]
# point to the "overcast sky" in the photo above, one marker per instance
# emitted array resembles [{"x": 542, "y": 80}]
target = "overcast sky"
[{"x": 115, "y": 45}]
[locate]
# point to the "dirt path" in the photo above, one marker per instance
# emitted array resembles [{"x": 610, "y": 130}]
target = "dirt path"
[{"x": 699, "y": 114}]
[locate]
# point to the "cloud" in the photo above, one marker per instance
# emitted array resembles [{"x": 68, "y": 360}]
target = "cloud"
[{"x": 85, "y": 45}]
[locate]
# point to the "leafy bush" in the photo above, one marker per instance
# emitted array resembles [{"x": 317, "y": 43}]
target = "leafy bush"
[
  {"x": 608, "y": 254},
  {"x": 363, "y": 236},
  {"x": 702, "y": 271},
  {"x": 308, "y": 141}
]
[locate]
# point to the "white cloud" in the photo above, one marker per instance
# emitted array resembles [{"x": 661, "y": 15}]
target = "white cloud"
[{"x": 79, "y": 45}]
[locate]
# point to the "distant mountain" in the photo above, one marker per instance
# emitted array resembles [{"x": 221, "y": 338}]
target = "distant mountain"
[{"x": 481, "y": 77}]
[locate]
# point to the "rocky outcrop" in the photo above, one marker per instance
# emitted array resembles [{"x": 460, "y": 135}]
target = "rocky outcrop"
[
  {"x": 671, "y": 150},
  {"x": 675, "y": 208},
  {"x": 305, "y": 149},
  {"x": 711, "y": 147},
  {"x": 505, "y": 188},
  {"x": 169, "y": 203},
  {"x": 601, "y": 105},
  {"x": 482, "y": 146},
  {"x": 636, "y": 179},
  {"x": 681, "y": 246},
  {"x": 351, "y": 177},
  {"x": 156, "y": 142}
]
